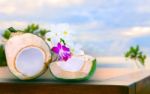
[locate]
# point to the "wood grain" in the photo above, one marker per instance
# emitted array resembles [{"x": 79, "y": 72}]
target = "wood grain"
[{"x": 105, "y": 81}]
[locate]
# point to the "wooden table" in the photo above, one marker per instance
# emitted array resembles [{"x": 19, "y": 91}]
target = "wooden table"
[{"x": 105, "y": 81}]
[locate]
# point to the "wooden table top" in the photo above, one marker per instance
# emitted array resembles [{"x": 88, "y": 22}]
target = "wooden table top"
[{"x": 102, "y": 76}]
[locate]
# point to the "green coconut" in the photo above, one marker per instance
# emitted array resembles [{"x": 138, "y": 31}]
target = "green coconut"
[
  {"x": 27, "y": 55},
  {"x": 77, "y": 68}
]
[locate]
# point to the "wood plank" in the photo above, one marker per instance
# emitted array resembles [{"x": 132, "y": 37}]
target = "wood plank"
[
  {"x": 105, "y": 81},
  {"x": 23, "y": 88}
]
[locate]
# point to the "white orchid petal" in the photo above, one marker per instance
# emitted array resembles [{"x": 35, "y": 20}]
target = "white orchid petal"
[
  {"x": 49, "y": 34},
  {"x": 55, "y": 40}
]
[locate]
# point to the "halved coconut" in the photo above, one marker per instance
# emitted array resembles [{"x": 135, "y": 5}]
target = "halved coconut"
[
  {"x": 27, "y": 56},
  {"x": 74, "y": 69}
]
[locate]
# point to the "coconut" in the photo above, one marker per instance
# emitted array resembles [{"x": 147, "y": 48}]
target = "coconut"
[
  {"x": 27, "y": 55},
  {"x": 76, "y": 68}
]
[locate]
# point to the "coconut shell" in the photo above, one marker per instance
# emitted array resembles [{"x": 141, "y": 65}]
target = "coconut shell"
[
  {"x": 16, "y": 43},
  {"x": 85, "y": 73}
]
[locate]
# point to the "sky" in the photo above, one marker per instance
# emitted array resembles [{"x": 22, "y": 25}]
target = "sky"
[{"x": 102, "y": 27}]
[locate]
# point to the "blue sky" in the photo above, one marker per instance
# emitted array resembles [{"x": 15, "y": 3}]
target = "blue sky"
[{"x": 103, "y": 27}]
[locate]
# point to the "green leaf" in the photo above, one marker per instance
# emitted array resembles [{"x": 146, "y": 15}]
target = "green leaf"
[
  {"x": 144, "y": 57},
  {"x": 31, "y": 28},
  {"x": 132, "y": 49},
  {"x": 2, "y": 56},
  {"x": 63, "y": 41},
  {"x": 11, "y": 29},
  {"x": 49, "y": 39},
  {"x": 43, "y": 32},
  {"x": 6, "y": 34},
  {"x": 135, "y": 54},
  {"x": 34, "y": 27},
  {"x": 142, "y": 60},
  {"x": 137, "y": 48},
  {"x": 127, "y": 54}
]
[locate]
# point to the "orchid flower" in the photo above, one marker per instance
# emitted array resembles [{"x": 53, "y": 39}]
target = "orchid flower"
[
  {"x": 61, "y": 43},
  {"x": 62, "y": 51}
]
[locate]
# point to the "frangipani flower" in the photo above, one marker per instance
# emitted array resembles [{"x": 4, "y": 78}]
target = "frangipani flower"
[
  {"x": 76, "y": 49},
  {"x": 62, "y": 51},
  {"x": 53, "y": 37}
]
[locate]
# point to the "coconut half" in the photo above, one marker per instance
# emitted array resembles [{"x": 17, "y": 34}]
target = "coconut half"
[
  {"x": 77, "y": 68},
  {"x": 27, "y": 56}
]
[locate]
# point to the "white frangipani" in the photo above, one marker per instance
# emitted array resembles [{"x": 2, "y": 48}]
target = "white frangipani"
[{"x": 60, "y": 33}]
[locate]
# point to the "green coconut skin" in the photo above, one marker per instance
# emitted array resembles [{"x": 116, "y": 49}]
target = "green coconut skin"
[
  {"x": 2, "y": 56},
  {"x": 92, "y": 71}
]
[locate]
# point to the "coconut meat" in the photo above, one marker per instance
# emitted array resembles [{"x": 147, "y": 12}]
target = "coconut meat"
[
  {"x": 73, "y": 64},
  {"x": 59, "y": 73},
  {"x": 69, "y": 71},
  {"x": 30, "y": 61}
]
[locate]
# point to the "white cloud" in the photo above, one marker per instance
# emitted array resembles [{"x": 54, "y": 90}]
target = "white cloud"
[
  {"x": 88, "y": 26},
  {"x": 17, "y": 24},
  {"x": 143, "y": 9},
  {"x": 63, "y": 3},
  {"x": 7, "y": 9},
  {"x": 115, "y": 41},
  {"x": 30, "y": 6},
  {"x": 136, "y": 32},
  {"x": 142, "y": 6},
  {"x": 18, "y": 7},
  {"x": 22, "y": 24}
]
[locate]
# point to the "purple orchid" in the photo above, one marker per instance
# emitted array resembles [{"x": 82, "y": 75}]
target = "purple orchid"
[{"x": 62, "y": 51}]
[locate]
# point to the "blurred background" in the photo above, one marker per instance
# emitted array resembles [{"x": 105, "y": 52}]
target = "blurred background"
[{"x": 105, "y": 28}]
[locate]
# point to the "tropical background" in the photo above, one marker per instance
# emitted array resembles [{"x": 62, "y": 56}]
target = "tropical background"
[{"x": 105, "y": 28}]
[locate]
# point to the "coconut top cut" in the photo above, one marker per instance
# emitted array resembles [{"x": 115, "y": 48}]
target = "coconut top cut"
[
  {"x": 27, "y": 55},
  {"x": 30, "y": 61}
]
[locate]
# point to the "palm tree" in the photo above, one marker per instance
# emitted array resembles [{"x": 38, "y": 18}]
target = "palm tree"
[{"x": 135, "y": 54}]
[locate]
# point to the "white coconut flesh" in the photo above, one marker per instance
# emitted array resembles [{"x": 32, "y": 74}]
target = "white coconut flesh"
[
  {"x": 30, "y": 61},
  {"x": 27, "y": 56},
  {"x": 74, "y": 64},
  {"x": 74, "y": 68}
]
